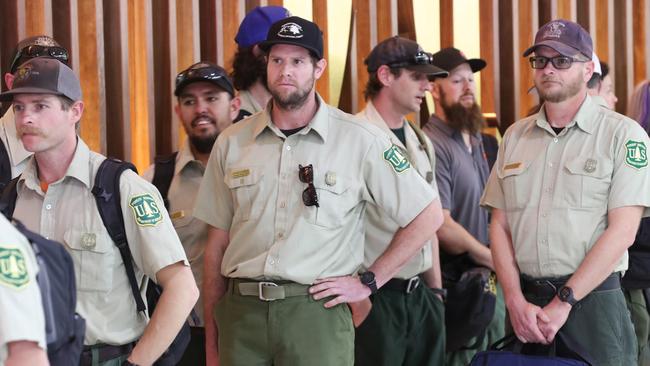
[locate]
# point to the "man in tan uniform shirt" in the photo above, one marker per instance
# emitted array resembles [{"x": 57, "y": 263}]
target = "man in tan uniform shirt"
[
  {"x": 55, "y": 200},
  {"x": 284, "y": 193},
  {"x": 406, "y": 323},
  {"x": 206, "y": 106},
  {"x": 567, "y": 192},
  {"x": 22, "y": 323}
]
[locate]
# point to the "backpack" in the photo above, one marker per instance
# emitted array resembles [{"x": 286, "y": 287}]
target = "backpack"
[
  {"x": 163, "y": 175},
  {"x": 64, "y": 328},
  {"x": 5, "y": 166},
  {"x": 106, "y": 190}
]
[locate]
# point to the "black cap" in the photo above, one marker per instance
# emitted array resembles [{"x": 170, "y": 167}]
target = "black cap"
[
  {"x": 44, "y": 75},
  {"x": 449, "y": 58},
  {"x": 295, "y": 31},
  {"x": 565, "y": 37},
  {"x": 204, "y": 71},
  {"x": 398, "y": 52}
]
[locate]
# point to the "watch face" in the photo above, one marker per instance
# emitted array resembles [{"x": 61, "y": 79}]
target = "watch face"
[
  {"x": 367, "y": 277},
  {"x": 565, "y": 292}
]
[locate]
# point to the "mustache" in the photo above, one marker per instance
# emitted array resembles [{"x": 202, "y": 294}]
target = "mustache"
[
  {"x": 29, "y": 130},
  {"x": 202, "y": 117}
]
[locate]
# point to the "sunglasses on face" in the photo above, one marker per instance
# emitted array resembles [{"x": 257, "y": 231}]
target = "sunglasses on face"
[
  {"x": 559, "y": 62},
  {"x": 420, "y": 58},
  {"x": 35, "y": 50},
  {"x": 206, "y": 73},
  {"x": 309, "y": 195}
]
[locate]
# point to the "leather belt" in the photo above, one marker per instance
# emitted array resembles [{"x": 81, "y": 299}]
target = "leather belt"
[
  {"x": 406, "y": 286},
  {"x": 268, "y": 290},
  {"x": 547, "y": 287},
  {"x": 105, "y": 352}
]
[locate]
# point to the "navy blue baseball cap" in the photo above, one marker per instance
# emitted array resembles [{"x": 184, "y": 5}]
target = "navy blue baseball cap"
[
  {"x": 565, "y": 37},
  {"x": 256, "y": 24},
  {"x": 295, "y": 31}
]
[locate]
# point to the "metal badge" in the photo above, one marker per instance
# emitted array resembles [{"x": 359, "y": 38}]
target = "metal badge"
[
  {"x": 590, "y": 165},
  {"x": 429, "y": 177},
  {"x": 88, "y": 240},
  {"x": 330, "y": 178}
]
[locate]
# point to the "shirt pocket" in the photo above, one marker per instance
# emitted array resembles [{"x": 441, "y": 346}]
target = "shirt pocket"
[
  {"x": 334, "y": 201},
  {"x": 245, "y": 190},
  {"x": 517, "y": 188},
  {"x": 587, "y": 181},
  {"x": 94, "y": 259}
]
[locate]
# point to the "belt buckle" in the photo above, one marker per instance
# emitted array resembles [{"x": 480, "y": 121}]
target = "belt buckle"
[
  {"x": 260, "y": 286},
  {"x": 413, "y": 283}
]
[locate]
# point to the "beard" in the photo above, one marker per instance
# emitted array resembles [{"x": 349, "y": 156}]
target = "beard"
[
  {"x": 203, "y": 144},
  {"x": 571, "y": 88},
  {"x": 295, "y": 99},
  {"x": 461, "y": 118}
]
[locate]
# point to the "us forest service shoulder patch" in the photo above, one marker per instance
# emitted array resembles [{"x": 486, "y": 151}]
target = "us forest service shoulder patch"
[
  {"x": 396, "y": 159},
  {"x": 145, "y": 209},
  {"x": 13, "y": 268},
  {"x": 636, "y": 154}
]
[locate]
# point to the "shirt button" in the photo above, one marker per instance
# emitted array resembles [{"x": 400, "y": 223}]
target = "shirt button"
[
  {"x": 555, "y": 139},
  {"x": 48, "y": 206},
  {"x": 280, "y": 235},
  {"x": 548, "y": 190},
  {"x": 271, "y": 261},
  {"x": 282, "y": 205},
  {"x": 550, "y": 164},
  {"x": 288, "y": 148},
  {"x": 544, "y": 215}
]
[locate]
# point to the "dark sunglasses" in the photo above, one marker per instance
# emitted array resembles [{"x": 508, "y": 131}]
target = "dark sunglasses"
[
  {"x": 306, "y": 175},
  {"x": 559, "y": 62},
  {"x": 35, "y": 50},
  {"x": 420, "y": 58},
  {"x": 205, "y": 73}
]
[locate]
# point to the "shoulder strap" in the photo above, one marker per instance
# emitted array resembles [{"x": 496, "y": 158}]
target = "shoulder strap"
[
  {"x": 8, "y": 198},
  {"x": 163, "y": 174},
  {"x": 422, "y": 139},
  {"x": 107, "y": 195},
  {"x": 5, "y": 166}
]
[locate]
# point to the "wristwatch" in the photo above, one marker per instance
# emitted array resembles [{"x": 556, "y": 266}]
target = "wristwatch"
[
  {"x": 368, "y": 279},
  {"x": 565, "y": 294}
]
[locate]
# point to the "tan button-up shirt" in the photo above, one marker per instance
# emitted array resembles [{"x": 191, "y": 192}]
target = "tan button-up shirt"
[
  {"x": 380, "y": 228},
  {"x": 21, "y": 310},
  {"x": 193, "y": 233},
  {"x": 248, "y": 103},
  {"x": 556, "y": 190},
  {"x": 68, "y": 213},
  {"x": 251, "y": 189},
  {"x": 18, "y": 156}
]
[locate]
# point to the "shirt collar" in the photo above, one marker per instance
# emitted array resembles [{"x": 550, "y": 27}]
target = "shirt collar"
[
  {"x": 185, "y": 157},
  {"x": 371, "y": 113},
  {"x": 79, "y": 168},
  {"x": 584, "y": 119},
  {"x": 441, "y": 125},
  {"x": 319, "y": 123}
]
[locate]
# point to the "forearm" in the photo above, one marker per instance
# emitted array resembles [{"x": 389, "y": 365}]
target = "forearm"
[
  {"x": 603, "y": 257},
  {"x": 214, "y": 287},
  {"x": 406, "y": 242},
  {"x": 432, "y": 276},
  {"x": 25, "y": 353},
  {"x": 455, "y": 240},
  {"x": 503, "y": 255},
  {"x": 177, "y": 300}
]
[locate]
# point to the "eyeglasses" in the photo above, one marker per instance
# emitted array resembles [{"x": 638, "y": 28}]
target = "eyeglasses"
[
  {"x": 206, "y": 73},
  {"x": 35, "y": 50},
  {"x": 309, "y": 195},
  {"x": 420, "y": 58},
  {"x": 559, "y": 62}
]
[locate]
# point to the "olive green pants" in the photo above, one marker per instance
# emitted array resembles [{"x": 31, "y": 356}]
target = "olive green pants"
[
  {"x": 402, "y": 330},
  {"x": 601, "y": 324},
  {"x": 494, "y": 332},
  {"x": 637, "y": 305},
  {"x": 293, "y": 331}
]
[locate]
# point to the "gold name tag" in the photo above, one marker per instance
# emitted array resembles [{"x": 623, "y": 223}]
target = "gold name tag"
[
  {"x": 241, "y": 173},
  {"x": 512, "y": 166},
  {"x": 178, "y": 215}
]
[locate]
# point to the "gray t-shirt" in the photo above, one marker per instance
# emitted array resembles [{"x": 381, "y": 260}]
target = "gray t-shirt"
[{"x": 461, "y": 176}]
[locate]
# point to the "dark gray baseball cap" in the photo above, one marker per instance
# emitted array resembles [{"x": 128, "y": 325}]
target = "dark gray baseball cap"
[{"x": 44, "y": 75}]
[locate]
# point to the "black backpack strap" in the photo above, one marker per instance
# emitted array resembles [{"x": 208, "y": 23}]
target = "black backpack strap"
[
  {"x": 5, "y": 166},
  {"x": 163, "y": 174},
  {"x": 8, "y": 198},
  {"x": 107, "y": 195}
]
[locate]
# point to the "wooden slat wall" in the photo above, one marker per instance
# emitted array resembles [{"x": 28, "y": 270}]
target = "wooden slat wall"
[{"x": 127, "y": 52}]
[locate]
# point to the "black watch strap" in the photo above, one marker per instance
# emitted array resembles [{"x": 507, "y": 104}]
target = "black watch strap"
[
  {"x": 368, "y": 279},
  {"x": 565, "y": 294}
]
